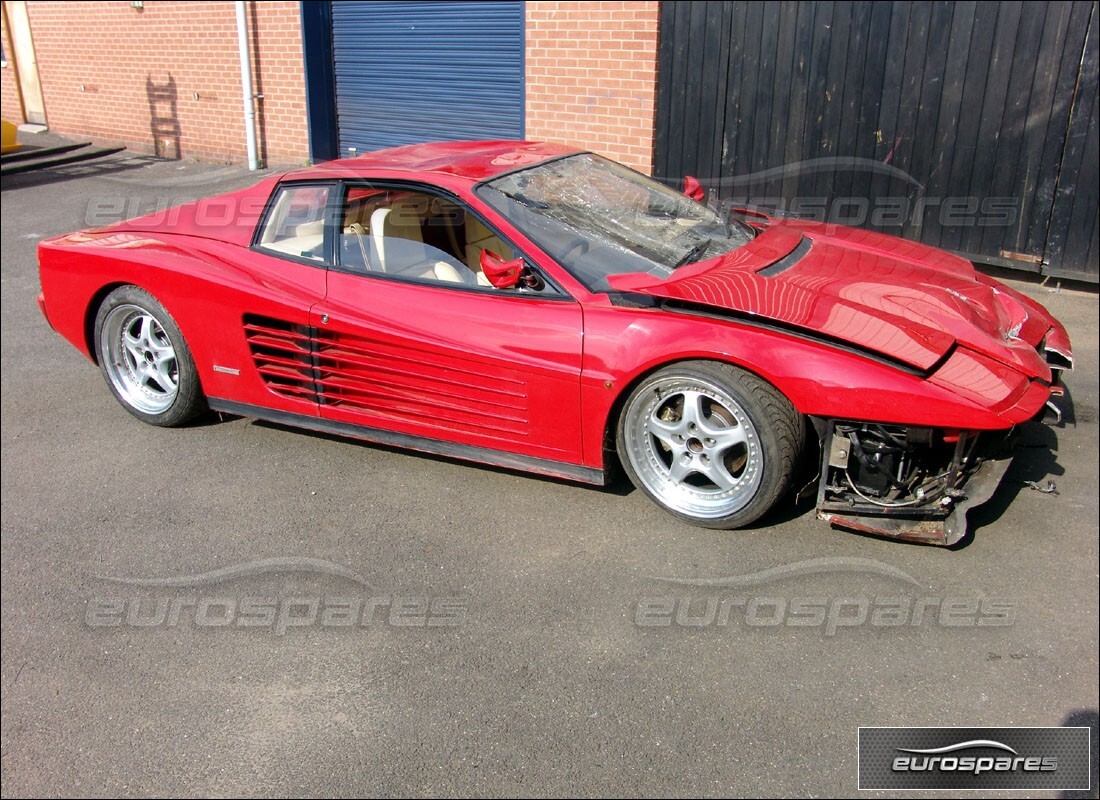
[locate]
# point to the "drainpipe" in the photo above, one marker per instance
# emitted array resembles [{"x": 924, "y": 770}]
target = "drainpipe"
[{"x": 246, "y": 87}]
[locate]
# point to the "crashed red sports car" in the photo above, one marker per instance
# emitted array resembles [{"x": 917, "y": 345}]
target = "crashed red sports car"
[{"x": 536, "y": 307}]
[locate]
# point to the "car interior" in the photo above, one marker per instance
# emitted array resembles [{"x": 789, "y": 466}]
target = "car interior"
[
  {"x": 397, "y": 232},
  {"x": 415, "y": 235}
]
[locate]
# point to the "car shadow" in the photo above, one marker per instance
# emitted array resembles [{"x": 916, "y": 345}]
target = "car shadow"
[
  {"x": 1034, "y": 462},
  {"x": 612, "y": 487},
  {"x": 209, "y": 419},
  {"x": 1085, "y": 718},
  {"x": 789, "y": 508}
]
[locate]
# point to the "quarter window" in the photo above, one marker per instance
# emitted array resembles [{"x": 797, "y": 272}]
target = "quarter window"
[{"x": 295, "y": 223}]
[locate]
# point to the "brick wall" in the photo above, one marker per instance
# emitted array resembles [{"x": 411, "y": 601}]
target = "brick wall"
[
  {"x": 592, "y": 76},
  {"x": 121, "y": 56}
]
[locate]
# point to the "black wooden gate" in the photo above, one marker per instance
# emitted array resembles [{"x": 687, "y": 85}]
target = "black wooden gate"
[{"x": 967, "y": 125}]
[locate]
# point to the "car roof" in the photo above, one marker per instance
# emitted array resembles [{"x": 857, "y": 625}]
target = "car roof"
[{"x": 469, "y": 160}]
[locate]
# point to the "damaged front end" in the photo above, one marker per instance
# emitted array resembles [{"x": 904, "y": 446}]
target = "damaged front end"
[
  {"x": 918, "y": 483},
  {"x": 907, "y": 482}
]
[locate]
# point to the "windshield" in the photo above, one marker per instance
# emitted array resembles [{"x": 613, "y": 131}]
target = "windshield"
[{"x": 598, "y": 218}]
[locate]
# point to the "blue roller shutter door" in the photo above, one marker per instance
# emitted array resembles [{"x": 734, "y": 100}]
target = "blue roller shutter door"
[{"x": 410, "y": 72}]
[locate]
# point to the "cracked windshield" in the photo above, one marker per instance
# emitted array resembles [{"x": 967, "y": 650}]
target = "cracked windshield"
[{"x": 598, "y": 218}]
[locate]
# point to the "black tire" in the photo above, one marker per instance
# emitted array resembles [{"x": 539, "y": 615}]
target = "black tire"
[
  {"x": 145, "y": 360},
  {"x": 711, "y": 444}
]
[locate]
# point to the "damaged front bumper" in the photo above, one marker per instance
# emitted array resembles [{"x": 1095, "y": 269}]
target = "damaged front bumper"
[
  {"x": 905, "y": 482},
  {"x": 919, "y": 483}
]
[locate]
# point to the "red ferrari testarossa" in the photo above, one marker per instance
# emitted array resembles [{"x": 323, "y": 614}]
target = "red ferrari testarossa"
[{"x": 535, "y": 307}]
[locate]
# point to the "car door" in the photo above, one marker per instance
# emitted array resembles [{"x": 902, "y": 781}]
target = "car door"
[
  {"x": 410, "y": 339},
  {"x": 260, "y": 317}
]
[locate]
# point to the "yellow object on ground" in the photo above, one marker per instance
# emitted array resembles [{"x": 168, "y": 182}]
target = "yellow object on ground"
[{"x": 8, "y": 139}]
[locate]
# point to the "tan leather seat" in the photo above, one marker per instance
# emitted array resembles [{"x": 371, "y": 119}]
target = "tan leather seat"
[
  {"x": 398, "y": 221},
  {"x": 305, "y": 240},
  {"x": 401, "y": 220},
  {"x": 442, "y": 271}
]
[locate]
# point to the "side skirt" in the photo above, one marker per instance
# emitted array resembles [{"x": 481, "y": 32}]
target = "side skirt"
[{"x": 465, "y": 452}]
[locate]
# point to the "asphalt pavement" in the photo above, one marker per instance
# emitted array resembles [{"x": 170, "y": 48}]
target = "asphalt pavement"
[{"x": 237, "y": 608}]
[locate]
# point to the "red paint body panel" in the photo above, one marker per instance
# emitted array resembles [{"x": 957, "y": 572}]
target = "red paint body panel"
[
  {"x": 500, "y": 372},
  {"x": 904, "y": 300},
  {"x": 863, "y": 327},
  {"x": 621, "y": 345},
  {"x": 470, "y": 162},
  {"x": 206, "y": 286},
  {"x": 229, "y": 218}
]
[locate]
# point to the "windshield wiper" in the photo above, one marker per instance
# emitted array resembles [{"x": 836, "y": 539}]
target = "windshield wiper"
[{"x": 693, "y": 253}]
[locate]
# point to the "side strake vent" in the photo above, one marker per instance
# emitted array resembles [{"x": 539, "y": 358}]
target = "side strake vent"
[
  {"x": 283, "y": 356},
  {"x": 443, "y": 390}
]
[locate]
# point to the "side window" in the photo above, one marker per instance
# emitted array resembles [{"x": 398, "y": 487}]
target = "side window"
[
  {"x": 415, "y": 235},
  {"x": 295, "y": 223}
]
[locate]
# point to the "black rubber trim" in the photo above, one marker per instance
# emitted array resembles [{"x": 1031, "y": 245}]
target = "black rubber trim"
[
  {"x": 465, "y": 452},
  {"x": 788, "y": 261},
  {"x": 633, "y": 300}
]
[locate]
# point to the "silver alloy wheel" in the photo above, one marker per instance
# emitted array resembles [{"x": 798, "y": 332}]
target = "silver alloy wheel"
[
  {"x": 693, "y": 446},
  {"x": 140, "y": 360}
]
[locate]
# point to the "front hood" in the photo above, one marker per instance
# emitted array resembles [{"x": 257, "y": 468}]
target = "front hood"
[{"x": 905, "y": 301}]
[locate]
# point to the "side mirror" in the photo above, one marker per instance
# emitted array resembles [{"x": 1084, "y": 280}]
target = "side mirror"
[
  {"x": 501, "y": 274},
  {"x": 694, "y": 189}
]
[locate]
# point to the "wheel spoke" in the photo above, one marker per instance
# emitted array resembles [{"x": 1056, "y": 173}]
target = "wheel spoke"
[
  {"x": 164, "y": 360},
  {"x": 716, "y": 471},
  {"x": 161, "y": 350},
  {"x": 693, "y": 416},
  {"x": 131, "y": 341},
  {"x": 144, "y": 323},
  {"x": 133, "y": 344},
  {"x": 134, "y": 355},
  {"x": 671, "y": 433},
  {"x": 725, "y": 438},
  {"x": 162, "y": 374},
  {"x": 146, "y": 377},
  {"x": 681, "y": 467},
  {"x": 127, "y": 360}
]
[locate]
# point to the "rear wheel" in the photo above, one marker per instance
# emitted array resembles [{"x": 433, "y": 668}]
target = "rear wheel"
[
  {"x": 145, "y": 360},
  {"x": 712, "y": 444}
]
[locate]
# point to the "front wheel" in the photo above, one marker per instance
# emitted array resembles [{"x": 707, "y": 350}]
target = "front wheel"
[
  {"x": 712, "y": 444},
  {"x": 145, "y": 359}
]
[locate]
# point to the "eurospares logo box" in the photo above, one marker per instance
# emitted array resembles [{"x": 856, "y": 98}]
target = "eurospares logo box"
[{"x": 974, "y": 758}]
